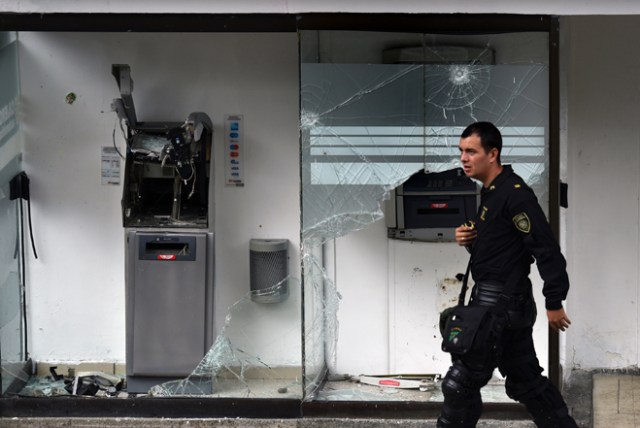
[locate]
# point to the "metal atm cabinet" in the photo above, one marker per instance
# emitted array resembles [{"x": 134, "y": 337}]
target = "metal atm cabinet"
[{"x": 169, "y": 305}]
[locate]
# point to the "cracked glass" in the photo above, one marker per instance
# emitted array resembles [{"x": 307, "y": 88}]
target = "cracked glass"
[
  {"x": 254, "y": 355},
  {"x": 245, "y": 359},
  {"x": 377, "y": 108}
]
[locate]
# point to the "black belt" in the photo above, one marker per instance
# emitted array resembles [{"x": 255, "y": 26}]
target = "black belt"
[
  {"x": 521, "y": 308},
  {"x": 487, "y": 293},
  {"x": 503, "y": 298}
]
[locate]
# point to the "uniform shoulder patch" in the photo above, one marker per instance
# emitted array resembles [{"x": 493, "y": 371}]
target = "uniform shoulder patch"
[{"x": 522, "y": 222}]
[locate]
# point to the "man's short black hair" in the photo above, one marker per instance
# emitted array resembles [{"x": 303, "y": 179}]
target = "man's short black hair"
[{"x": 490, "y": 136}]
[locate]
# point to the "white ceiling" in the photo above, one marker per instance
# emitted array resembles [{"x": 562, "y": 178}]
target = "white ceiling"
[{"x": 537, "y": 7}]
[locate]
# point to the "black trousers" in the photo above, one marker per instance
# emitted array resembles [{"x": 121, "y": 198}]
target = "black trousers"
[{"x": 516, "y": 359}]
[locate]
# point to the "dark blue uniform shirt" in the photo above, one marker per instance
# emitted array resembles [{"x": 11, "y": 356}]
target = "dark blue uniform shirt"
[{"x": 512, "y": 231}]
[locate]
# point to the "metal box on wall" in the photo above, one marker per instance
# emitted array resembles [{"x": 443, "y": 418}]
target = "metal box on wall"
[
  {"x": 268, "y": 269},
  {"x": 429, "y": 206}
]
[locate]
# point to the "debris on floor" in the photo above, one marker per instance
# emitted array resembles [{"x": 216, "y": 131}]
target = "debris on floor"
[
  {"x": 89, "y": 383},
  {"x": 423, "y": 382}
]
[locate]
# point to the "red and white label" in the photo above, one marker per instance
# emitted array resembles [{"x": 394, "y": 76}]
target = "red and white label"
[
  {"x": 166, "y": 256},
  {"x": 389, "y": 382},
  {"x": 439, "y": 205}
]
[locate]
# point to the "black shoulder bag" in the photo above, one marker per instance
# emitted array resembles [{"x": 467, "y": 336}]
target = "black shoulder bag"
[{"x": 475, "y": 328}]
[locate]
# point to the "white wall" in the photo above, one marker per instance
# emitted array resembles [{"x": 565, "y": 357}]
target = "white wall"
[
  {"x": 603, "y": 172},
  {"x": 392, "y": 293},
  {"x": 76, "y": 287}
]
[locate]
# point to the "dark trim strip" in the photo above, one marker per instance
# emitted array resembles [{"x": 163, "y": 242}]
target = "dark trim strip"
[
  {"x": 191, "y": 22},
  {"x": 403, "y": 410},
  {"x": 73, "y": 406},
  {"x": 554, "y": 171},
  {"x": 147, "y": 22},
  {"x": 461, "y": 23},
  {"x": 143, "y": 407}
]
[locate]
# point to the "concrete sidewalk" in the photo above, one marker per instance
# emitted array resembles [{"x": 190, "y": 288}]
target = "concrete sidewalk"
[
  {"x": 239, "y": 423},
  {"x": 616, "y": 401}
]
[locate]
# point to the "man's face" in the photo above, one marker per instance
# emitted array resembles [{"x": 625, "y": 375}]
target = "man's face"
[{"x": 476, "y": 162}]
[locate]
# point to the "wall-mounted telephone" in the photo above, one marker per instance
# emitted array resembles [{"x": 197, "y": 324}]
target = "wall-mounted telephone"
[{"x": 19, "y": 189}]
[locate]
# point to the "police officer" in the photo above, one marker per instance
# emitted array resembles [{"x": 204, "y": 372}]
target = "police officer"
[{"x": 508, "y": 232}]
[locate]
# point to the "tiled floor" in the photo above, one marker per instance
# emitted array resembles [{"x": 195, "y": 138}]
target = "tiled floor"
[
  {"x": 616, "y": 401},
  {"x": 353, "y": 390}
]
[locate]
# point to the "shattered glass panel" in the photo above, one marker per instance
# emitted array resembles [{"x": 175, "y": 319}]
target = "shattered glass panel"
[
  {"x": 359, "y": 130},
  {"x": 246, "y": 359},
  {"x": 382, "y": 131},
  {"x": 12, "y": 338},
  {"x": 370, "y": 118}
]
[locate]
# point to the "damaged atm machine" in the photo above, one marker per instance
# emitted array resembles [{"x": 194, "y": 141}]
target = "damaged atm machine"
[{"x": 169, "y": 246}]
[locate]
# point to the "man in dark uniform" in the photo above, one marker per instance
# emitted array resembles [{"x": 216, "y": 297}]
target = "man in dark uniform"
[{"x": 509, "y": 231}]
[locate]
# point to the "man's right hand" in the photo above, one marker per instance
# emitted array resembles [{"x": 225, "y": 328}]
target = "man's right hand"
[
  {"x": 558, "y": 319},
  {"x": 465, "y": 235}
]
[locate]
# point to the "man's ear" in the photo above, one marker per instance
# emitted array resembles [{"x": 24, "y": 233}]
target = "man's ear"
[{"x": 493, "y": 155}]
